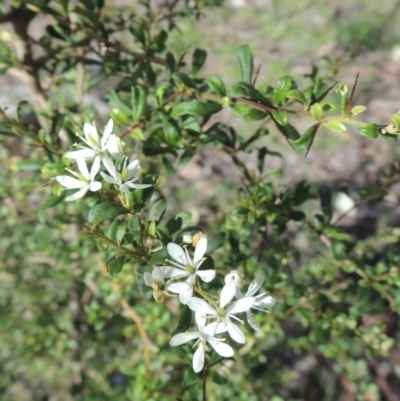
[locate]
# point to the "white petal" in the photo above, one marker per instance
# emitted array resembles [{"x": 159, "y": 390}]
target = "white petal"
[
  {"x": 158, "y": 274},
  {"x": 69, "y": 182},
  {"x": 252, "y": 322},
  {"x": 85, "y": 153},
  {"x": 201, "y": 306},
  {"x": 137, "y": 186},
  {"x": 114, "y": 146},
  {"x": 133, "y": 168},
  {"x": 254, "y": 286},
  {"x": 107, "y": 132},
  {"x": 183, "y": 338},
  {"x": 235, "y": 333},
  {"x": 227, "y": 294},
  {"x": 175, "y": 272},
  {"x": 148, "y": 279},
  {"x": 221, "y": 348},
  {"x": 91, "y": 134},
  {"x": 215, "y": 328},
  {"x": 82, "y": 166},
  {"x": 95, "y": 186},
  {"x": 241, "y": 305},
  {"x": 265, "y": 302},
  {"x": 109, "y": 179},
  {"x": 233, "y": 276},
  {"x": 198, "y": 358},
  {"x": 186, "y": 295},
  {"x": 200, "y": 320},
  {"x": 77, "y": 195},
  {"x": 178, "y": 288},
  {"x": 109, "y": 165},
  {"x": 200, "y": 250},
  {"x": 206, "y": 275},
  {"x": 177, "y": 253}
]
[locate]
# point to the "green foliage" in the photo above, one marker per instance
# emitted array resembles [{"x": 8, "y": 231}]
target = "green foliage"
[{"x": 78, "y": 319}]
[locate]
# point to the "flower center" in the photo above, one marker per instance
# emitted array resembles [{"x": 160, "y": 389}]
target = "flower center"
[
  {"x": 190, "y": 268},
  {"x": 92, "y": 140},
  {"x": 83, "y": 179},
  {"x": 157, "y": 286},
  {"x": 222, "y": 312},
  {"x": 124, "y": 174}
]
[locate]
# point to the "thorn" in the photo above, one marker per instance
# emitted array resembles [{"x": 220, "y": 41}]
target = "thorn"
[
  {"x": 320, "y": 97},
  {"x": 312, "y": 138},
  {"x": 353, "y": 89},
  {"x": 256, "y": 76}
]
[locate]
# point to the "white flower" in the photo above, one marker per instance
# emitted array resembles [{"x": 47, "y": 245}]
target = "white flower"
[
  {"x": 234, "y": 276},
  {"x": 126, "y": 179},
  {"x": 156, "y": 281},
  {"x": 183, "y": 266},
  {"x": 114, "y": 146},
  {"x": 97, "y": 145},
  {"x": 223, "y": 314},
  {"x": 84, "y": 181},
  {"x": 204, "y": 335},
  {"x": 263, "y": 302}
]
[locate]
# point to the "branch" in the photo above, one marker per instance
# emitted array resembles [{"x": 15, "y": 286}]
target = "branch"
[{"x": 28, "y": 71}]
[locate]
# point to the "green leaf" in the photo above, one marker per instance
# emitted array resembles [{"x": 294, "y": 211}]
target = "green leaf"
[
  {"x": 164, "y": 234},
  {"x": 157, "y": 211},
  {"x": 199, "y": 58},
  {"x": 248, "y": 113},
  {"x": 185, "y": 157},
  {"x": 335, "y": 126},
  {"x": 195, "y": 108},
  {"x": 119, "y": 117},
  {"x": 171, "y": 64},
  {"x": 244, "y": 89},
  {"x": 282, "y": 87},
  {"x": 389, "y": 137},
  {"x": 23, "y": 104},
  {"x": 135, "y": 227},
  {"x": 115, "y": 264},
  {"x": 338, "y": 250},
  {"x": 184, "y": 80},
  {"x": 105, "y": 211},
  {"x": 281, "y": 117},
  {"x": 215, "y": 242},
  {"x": 325, "y": 196},
  {"x": 296, "y": 95},
  {"x": 140, "y": 197},
  {"x": 51, "y": 202},
  {"x": 216, "y": 84},
  {"x": 58, "y": 122},
  {"x": 158, "y": 44},
  {"x": 137, "y": 30},
  {"x": 117, "y": 230},
  {"x": 116, "y": 102},
  {"x": 184, "y": 321},
  {"x": 246, "y": 63},
  {"x": 179, "y": 221},
  {"x": 138, "y": 103},
  {"x": 306, "y": 139},
  {"x": 369, "y": 130},
  {"x": 218, "y": 378},
  {"x": 159, "y": 257}
]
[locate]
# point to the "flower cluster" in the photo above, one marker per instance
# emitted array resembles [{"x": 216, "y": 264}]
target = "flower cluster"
[
  {"x": 182, "y": 274},
  {"x": 100, "y": 150},
  {"x": 213, "y": 316}
]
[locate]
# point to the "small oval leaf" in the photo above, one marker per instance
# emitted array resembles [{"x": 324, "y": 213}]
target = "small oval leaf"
[{"x": 369, "y": 130}]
